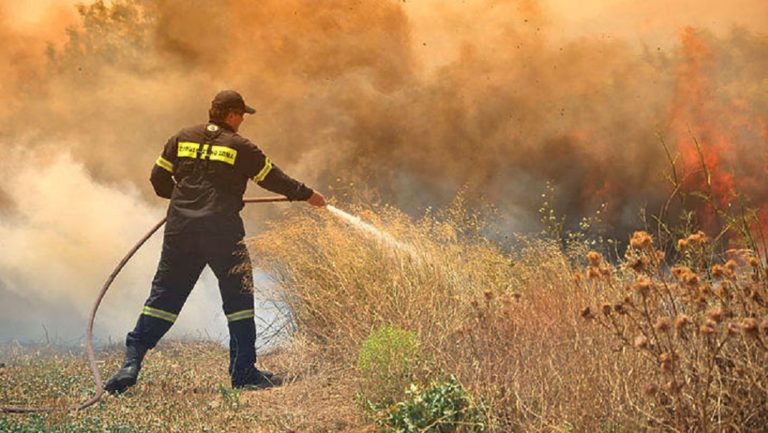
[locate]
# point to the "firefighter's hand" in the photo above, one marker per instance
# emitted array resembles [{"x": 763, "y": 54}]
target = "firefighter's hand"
[{"x": 317, "y": 200}]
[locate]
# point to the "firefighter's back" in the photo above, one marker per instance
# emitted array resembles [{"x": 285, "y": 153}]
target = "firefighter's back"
[{"x": 208, "y": 195}]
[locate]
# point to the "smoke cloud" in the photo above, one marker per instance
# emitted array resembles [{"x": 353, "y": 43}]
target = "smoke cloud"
[
  {"x": 405, "y": 102},
  {"x": 59, "y": 243}
]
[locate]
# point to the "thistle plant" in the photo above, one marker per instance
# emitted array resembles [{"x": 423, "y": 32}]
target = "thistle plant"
[{"x": 699, "y": 326}]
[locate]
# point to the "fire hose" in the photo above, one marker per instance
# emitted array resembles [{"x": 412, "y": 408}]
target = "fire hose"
[{"x": 91, "y": 318}]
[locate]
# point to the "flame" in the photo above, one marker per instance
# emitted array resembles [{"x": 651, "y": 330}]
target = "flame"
[{"x": 713, "y": 132}]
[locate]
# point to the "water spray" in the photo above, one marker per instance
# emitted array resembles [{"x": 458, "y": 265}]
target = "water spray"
[
  {"x": 92, "y": 317},
  {"x": 372, "y": 231}
]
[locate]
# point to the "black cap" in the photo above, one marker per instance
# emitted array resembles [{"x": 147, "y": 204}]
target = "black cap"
[{"x": 231, "y": 99}]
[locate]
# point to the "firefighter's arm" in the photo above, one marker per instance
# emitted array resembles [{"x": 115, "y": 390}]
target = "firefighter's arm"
[
  {"x": 162, "y": 171},
  {"x": 279, "y": 182},
  {"x": 259, "y": 168}
]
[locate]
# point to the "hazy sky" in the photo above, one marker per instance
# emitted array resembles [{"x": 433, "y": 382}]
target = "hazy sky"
[{"x": 650, "y": 20}]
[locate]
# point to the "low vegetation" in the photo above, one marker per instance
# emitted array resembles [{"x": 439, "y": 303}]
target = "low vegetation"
[{"x": 452, "y": 333}]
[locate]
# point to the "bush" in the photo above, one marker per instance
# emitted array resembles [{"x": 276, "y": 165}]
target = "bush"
[
  {"x": 386, "y": 361},
  {"x": 680, "y": 344},
  {"x": 474, "y": 308},
  {"x": 698, "y": 328},
  {"x": 444, "y": 407}
]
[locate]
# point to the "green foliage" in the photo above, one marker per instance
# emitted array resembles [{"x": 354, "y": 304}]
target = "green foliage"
[
  {"x": 386, "y": 361},
  {"x": 552, "y": 223},
  {"x": 443, "y": 407},
  {"x": 231, "y": 396},
  {"x": 388, "y": 348}
]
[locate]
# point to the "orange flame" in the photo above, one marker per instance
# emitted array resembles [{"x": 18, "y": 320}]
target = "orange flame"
[{"x": 709, "y": 131}]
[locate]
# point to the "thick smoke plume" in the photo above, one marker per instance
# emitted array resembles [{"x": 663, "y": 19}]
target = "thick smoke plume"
[{"x": 405, "y": 102}]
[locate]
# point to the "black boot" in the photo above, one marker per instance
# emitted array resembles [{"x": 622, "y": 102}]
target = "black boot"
[
  {"x": 242, "y": 357},
  {"x": 251, "y": 378},
  {"x": 127, "y": 375},
  {"x": 145, "y": 335}
]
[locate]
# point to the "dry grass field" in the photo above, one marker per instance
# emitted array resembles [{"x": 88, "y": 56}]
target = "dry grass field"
[{"x": 545, "y": 337}]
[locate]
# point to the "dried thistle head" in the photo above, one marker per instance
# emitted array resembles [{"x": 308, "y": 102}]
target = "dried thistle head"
[
  {"x": 682, "y": 244},
  {"x": 642, "y": 285},
  {"x": 640, "y": 240},
  {"x": 650, "y": 389},
  {"x": 716, "y": 314},
  {"x": 707, "y": 329},
  {"x": 666, "y": 359},
  {"x": 754, "y": 262},
  {"x": 619, "y": 308},
  {"x": 749, "y": 326},
  {"x": 663, "y": 324},
  {"x": 698, "y": 238},
  {"x": 682, "y": 321},
  {"x": 691, "y": 279},
  {"x": 606, "y": 309},
  {"x": 718, "y": 271},
  {"x": 731, "y": 265},
  {"x": 678, "y": 271},
  {"x": 685, "y": 275},
  {"x": 488, "y": 295},
  {"x": 594, "y": 258},
  {"x": 586, "y": 313}
]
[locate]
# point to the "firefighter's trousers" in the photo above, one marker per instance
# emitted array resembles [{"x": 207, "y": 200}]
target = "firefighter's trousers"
[{"x": 181, "y": 262}]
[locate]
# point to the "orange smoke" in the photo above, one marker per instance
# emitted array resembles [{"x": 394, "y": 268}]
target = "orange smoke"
[
  {"x": 416, "y": 100},
  {"x": 24, "y": 53}
]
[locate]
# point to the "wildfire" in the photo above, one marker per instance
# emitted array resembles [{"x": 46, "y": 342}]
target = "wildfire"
[{"x": 714, "y": 133}]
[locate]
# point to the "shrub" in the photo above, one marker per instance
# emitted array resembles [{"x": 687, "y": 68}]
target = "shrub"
[
  {"x": 386, "y": 361},
  {"x": 699, "y": 330},
  {"x": 474, "y": 308},
  {"x": 443, "y": 407}
]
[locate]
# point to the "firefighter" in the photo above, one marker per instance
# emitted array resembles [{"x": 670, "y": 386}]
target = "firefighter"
[{"x": 204, "y": 170}]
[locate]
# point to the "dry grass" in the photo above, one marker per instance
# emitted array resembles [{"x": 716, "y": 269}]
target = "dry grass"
[
  {"x": 510, "y": 325},
  {"x": 507, "y": 325},
  {"x": 673, "y": 347},
  {"x": 184, "y": 387}
]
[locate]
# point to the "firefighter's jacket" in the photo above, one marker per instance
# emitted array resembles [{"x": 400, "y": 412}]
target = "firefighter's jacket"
[{"x": 204, "y": 170}]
